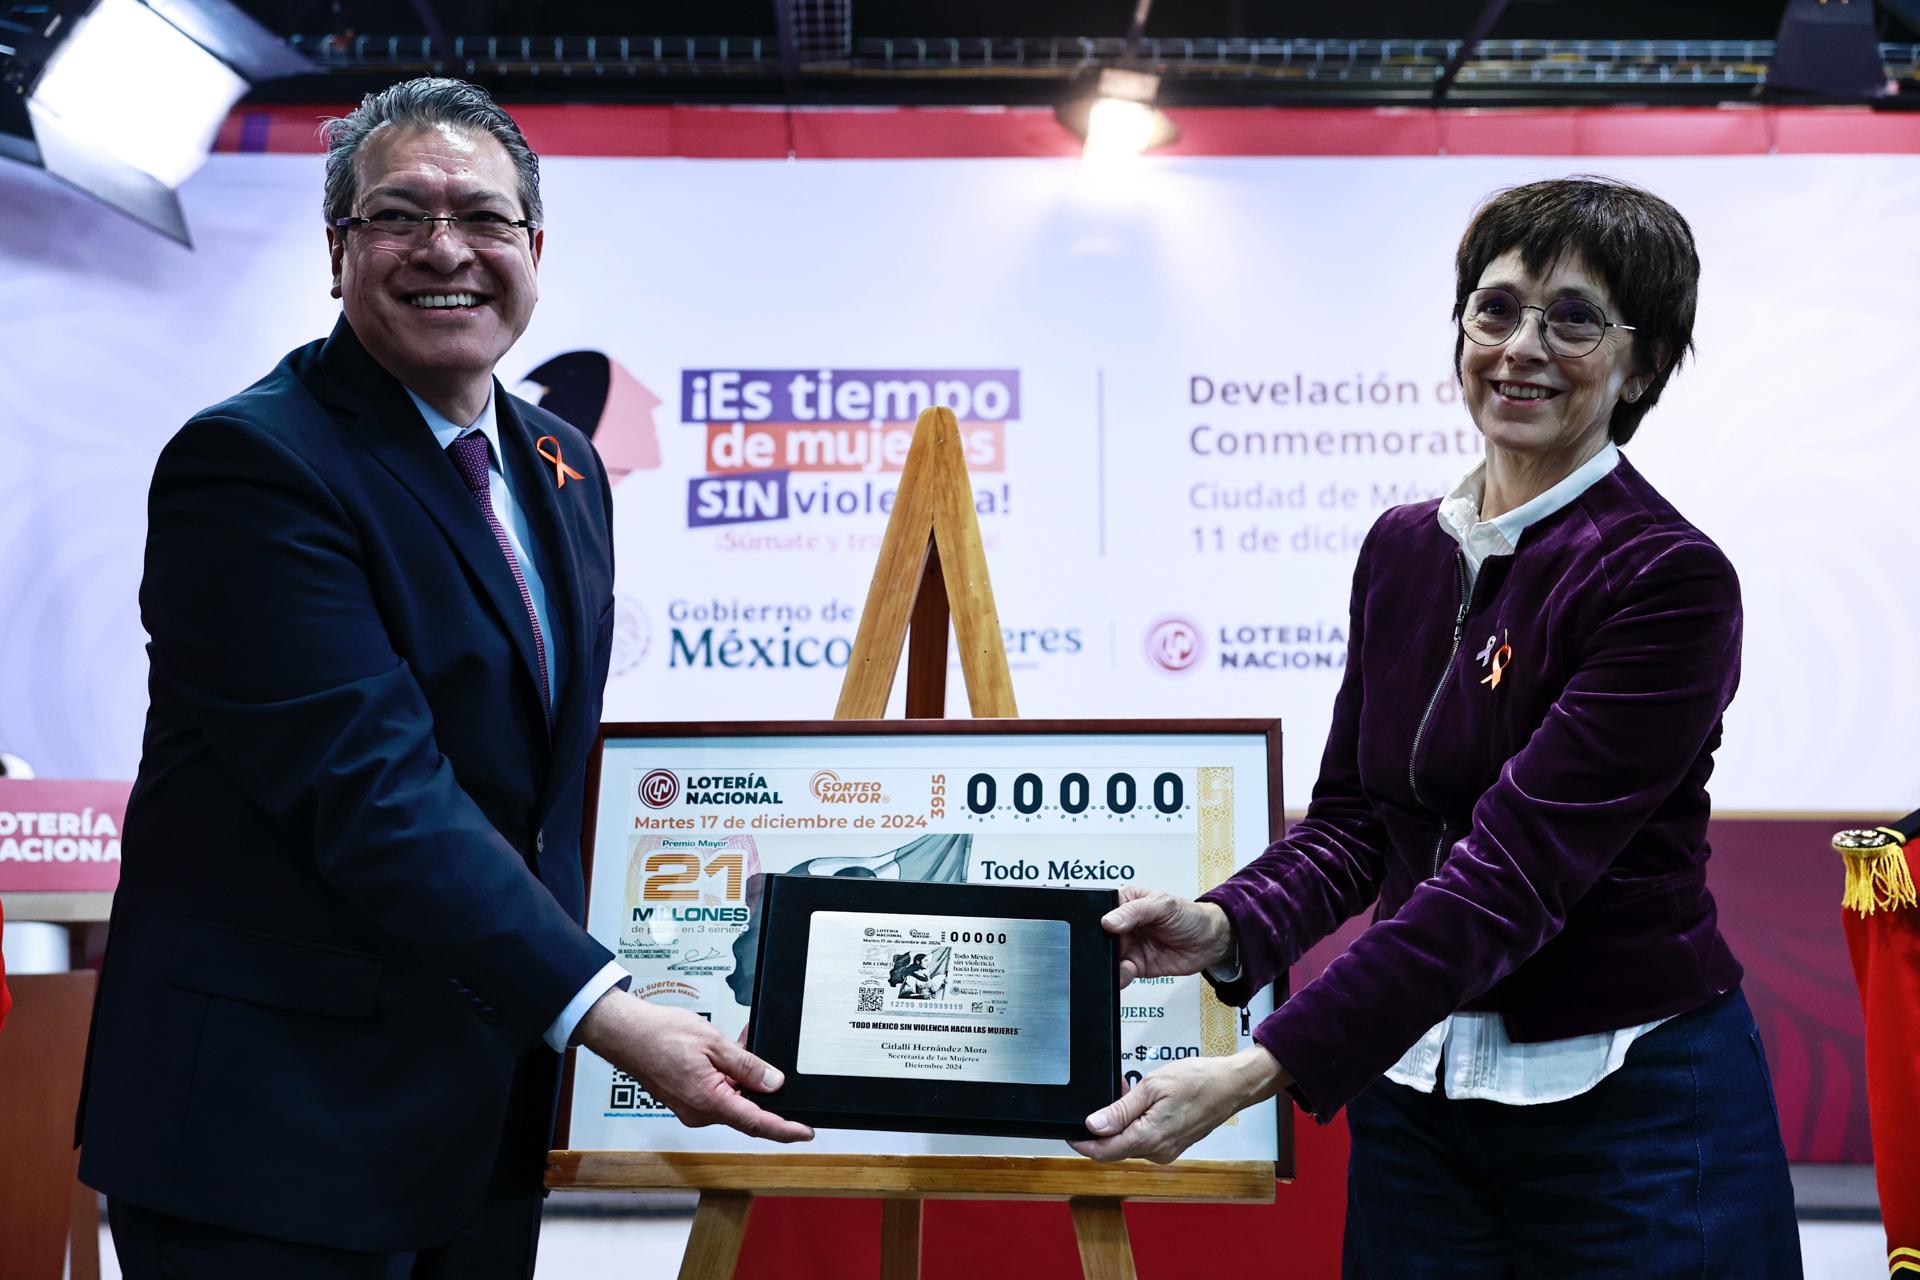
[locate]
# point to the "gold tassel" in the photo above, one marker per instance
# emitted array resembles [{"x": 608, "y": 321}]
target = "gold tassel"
[{"x": 1878, "y": 878}]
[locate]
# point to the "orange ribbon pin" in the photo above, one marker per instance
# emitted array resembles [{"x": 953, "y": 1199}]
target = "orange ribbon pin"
[
  {"x": 1501, "y": 657},
  {"x": 561, "y": 471}
]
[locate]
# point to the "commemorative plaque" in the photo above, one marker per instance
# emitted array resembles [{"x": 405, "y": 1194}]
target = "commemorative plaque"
[{"x": 937, "y": 1008}]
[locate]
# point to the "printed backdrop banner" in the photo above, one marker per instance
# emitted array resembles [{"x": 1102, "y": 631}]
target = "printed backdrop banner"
[{"x": 1184, "y": 401}]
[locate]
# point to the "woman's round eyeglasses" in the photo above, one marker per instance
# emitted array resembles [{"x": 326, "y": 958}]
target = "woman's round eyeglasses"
[{"x": 1570, "y": 327}]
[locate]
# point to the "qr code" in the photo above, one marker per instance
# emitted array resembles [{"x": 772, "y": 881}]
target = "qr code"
[
  {"x": 629, "y": 1094},
  {"x": 869, "y": 1000}
]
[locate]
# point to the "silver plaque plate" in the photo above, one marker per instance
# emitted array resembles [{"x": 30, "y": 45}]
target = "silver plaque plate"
[{"x": 974, "y": 999}]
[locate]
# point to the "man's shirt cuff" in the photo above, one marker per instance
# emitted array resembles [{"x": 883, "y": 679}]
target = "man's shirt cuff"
[{"x": 560, "y": 1033}]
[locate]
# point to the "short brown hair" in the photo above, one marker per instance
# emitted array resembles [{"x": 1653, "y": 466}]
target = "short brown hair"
[{"x": 1638, "y": 244}]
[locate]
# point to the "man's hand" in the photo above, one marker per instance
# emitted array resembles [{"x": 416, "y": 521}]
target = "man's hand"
[
  {"x": 686, "y": 1064},
  {"x": 1162, "y": 935},
  {"x": 1179, "y": 1104}
]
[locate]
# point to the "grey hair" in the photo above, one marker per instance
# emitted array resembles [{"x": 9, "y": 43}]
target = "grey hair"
[{"x": 424, "y": 103}]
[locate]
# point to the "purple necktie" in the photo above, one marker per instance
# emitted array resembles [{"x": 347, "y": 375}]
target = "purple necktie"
[{"x": 469, "y": 454}]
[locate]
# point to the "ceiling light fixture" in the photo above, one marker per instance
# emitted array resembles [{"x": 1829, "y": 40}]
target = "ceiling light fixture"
[{"x": 1119, "y": 119}]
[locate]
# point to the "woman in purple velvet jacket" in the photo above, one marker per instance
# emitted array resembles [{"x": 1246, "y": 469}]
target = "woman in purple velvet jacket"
[{"x": 1546, "y": 1062}]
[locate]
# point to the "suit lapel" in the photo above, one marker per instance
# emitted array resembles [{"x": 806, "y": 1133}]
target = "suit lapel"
[
  {"x": 379, "y": 414},
  {"x": 552, "y": 515}
]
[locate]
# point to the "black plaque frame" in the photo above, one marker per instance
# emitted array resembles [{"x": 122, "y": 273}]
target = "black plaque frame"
[{"x": 919, "y": 1104}]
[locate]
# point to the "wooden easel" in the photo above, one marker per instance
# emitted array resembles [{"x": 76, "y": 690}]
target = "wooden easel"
[
  {"x": 932, "y": 570},
  {"x": 932, "y": 567}
]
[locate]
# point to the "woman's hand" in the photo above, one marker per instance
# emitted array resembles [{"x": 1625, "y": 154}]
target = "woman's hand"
[
  {"x": 1179, "y": 1104},
  {"x": 1165, "y": 936}
]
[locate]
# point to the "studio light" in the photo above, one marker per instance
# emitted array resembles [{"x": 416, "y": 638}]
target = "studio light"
[{"x": 123, "y": 98}]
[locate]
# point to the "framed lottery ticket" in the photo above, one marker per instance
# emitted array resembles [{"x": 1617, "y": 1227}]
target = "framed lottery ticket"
[
  {"x": 932, "y": 1007},
  {"x": 685, "y": 820}
]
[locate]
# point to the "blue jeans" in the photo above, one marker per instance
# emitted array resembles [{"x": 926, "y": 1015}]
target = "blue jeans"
[{"x": 1671, "y": 1166}]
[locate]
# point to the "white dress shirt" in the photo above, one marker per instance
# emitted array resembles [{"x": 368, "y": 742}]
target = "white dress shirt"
[
  {"x": 1469, "y": 1054},
  {"x": 514, "y": 521}
]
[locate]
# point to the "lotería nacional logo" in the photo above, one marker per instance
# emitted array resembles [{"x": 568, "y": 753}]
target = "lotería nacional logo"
[
  {"x": 1313, "y": 644},
  {"x": 1173, "y": 645},
  {"x": 829, "y": 788},
  {"x": 731, "y": 788},
  {"x": 660, "y": 788},
  {"x": 800, "y": 444},
  {"x": 1176, "y": 646}
]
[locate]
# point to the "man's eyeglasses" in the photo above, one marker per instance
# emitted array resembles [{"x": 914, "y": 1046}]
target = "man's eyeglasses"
[
  {"x": 1571, "y": 326},
  {"x": 482, "y": 227}
]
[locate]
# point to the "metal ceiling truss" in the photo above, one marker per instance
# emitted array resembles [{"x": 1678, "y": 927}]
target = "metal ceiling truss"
[{"x": 1193, "y": 71}]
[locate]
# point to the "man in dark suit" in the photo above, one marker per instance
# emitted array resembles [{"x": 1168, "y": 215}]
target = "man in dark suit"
[{"x": 347, "y": 948}]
